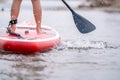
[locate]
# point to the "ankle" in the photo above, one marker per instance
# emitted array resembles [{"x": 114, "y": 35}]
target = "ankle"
[
  {"x": 12, "y": 25},
  {"x": 13, "y": 21}
]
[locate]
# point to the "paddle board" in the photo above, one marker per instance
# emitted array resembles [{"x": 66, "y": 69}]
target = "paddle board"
[{"x": 31, "y": 41}]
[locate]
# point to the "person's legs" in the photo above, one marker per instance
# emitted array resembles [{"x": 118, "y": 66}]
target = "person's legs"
[
  {"x": 15, "y": 12},
  {"x": 37, "y": 14}
]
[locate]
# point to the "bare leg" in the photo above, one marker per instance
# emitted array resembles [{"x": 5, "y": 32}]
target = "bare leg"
[
  {"x": 15, "y": 12},
  {"x": 37, "y": 14}
]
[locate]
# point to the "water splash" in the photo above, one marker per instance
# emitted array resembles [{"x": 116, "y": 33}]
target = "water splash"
[{"x": 84, "y": 45}]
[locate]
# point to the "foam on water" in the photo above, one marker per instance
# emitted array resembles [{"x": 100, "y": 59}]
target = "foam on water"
[{"x": 82, "y": 44}]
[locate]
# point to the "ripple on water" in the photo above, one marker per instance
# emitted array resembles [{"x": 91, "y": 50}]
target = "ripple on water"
[{"x": 84, "y": 45}]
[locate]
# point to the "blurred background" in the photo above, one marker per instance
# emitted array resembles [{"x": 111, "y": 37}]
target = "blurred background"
[{"x": 78, "y": 3}]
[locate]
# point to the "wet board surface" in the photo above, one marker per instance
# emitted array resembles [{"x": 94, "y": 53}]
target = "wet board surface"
[{"x": 32, "y": 41}]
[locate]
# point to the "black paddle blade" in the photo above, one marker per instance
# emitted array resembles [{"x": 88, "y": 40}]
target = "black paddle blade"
[{"x": 83, "y": 25}]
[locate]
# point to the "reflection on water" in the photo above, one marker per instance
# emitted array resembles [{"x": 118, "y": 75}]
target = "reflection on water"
[
  {"x": 21, "y": 67},
  {"x": 68, "y": 58}
]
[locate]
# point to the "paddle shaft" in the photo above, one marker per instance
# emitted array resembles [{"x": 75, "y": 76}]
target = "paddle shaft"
[{"x": 68, "y": 6}]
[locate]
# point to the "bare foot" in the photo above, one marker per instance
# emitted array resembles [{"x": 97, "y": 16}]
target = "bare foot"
[
  {"x": 38, "y": 30},
  {"x": 13, "y": 27}
]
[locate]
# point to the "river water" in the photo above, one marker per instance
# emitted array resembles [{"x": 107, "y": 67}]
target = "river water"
[{"x": 92, "y": 56}]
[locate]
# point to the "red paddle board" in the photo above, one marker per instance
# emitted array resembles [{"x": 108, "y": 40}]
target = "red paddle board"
[{"x": 32, "y": 41}]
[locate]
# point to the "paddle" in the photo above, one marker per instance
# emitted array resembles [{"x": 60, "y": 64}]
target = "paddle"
[{"x": 83, "y": 25}]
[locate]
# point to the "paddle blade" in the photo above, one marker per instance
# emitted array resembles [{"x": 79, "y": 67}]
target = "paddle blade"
[{"x": 83, "y": 25}]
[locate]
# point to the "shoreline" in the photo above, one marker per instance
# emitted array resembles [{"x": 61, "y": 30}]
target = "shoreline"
[
  {"x": 75, "y": 5},
  {"x": 106, "y": 9}
]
